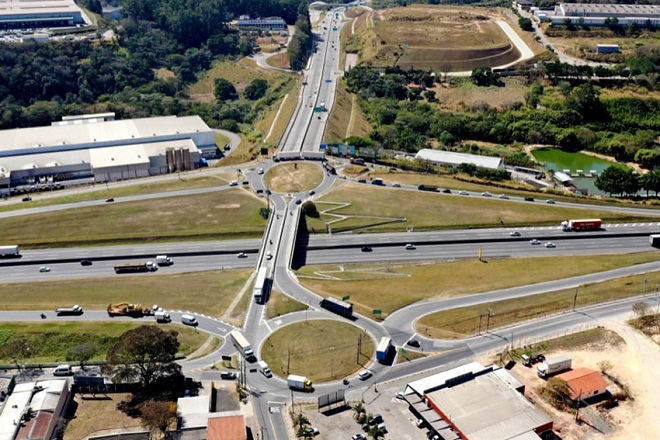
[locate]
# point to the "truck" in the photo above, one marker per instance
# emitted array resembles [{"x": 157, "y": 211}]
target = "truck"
[
  {"x": 135, "y": 267},
  {"x": 75, "y": 310},
  {"x": 590, "y": 224},
  {"x": 242, "y": 344},
  {"x": 654, "y": 240},
  {"x": 126, "y": 309},
  {"x": 431, "y": 188},
  {"x": 9, "y": 251},
  {"x": 357, "y": 161},
  {"x": 162, "y": 316},
  {"x": 260, "y": 288},
  {"x": 164, "y": 260},
  {"x": 383, "y": 349},
  {"x": 300, "y": 383},
  {"x": 554, "y": 365},
  {"x": 339, "y": 307},
  {"x": 530, "y": 359},
  {"x": 378, "y": 182},
  {"x": 264, "y": 368}
]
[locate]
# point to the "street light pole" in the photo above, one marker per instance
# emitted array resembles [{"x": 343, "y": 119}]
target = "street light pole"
[
  {"x": 490, "y": 312},
  {"x": 575, "y": 298}
]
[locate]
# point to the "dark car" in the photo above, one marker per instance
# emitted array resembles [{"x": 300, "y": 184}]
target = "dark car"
[
  {"x": 227, "y": 147},
  {"x": 27, "y": 199},
  {"x": 298, "y": 202},
  {"x": 366, "y": 249},
  {"x": 529, "y": 199},
  {"x": 362, "y": 180},
  {"x": 111, "y": 199},
  {"x": 85, "y": 262},
  {"x": 446, "y": 191},
  {"x": 413, "y": 343},
  {"x": 230, "y": 375}
]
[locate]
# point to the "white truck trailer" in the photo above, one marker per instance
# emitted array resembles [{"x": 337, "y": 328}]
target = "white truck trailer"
[
  {"x": 9, "y": 251},
  {"x": 299, "y": 383},
  {"x": 242, "y": 344},
  {"x": 553, "y": 365}
]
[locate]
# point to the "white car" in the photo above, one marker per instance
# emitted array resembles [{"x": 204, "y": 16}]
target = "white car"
[
  {"x": 233, "y": 183},
  {"x": 550, "y": 202},
  {"x": 44, "y": 269},
  {"x": 486, "y": 194},
  {"x": 504, "y": 197},
  {"x": 463, "y": 193},
  {"x": 260, "y": 171},
  {"x": 550, "y": 244},
  {"x": 514, "y": 234},
  {"x": 534, "y": 241},
  {"x": 366, "y": 374},
  {"x": 411, "y": 247},
  {"x": 269, "y": 255},
  {"x": 241, "y": 255}
]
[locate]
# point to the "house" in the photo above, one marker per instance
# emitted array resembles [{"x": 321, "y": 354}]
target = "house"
[{"x": 584, "y": 383}]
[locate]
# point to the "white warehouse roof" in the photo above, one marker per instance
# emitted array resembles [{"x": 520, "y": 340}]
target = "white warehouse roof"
[{"x": 454, "y": 159}]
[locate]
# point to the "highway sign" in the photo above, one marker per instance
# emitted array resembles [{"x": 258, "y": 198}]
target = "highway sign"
[
  {"x": 378, "y": 312},
  {"x": 346, "y": 298}
]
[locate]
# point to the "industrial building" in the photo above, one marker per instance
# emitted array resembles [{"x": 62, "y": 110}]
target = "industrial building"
[
  {"x": 32, "y": 410},
  {"x": 199, "y": 420},
  {"x": 272, "y": 24},
  {"x": 476, "y": 402},
  {"x": 97, "y": 148},
  {"x": 452, "y": 160},
  {"x": 25, "y": 14},
  {"x": 584, "y": 383},
  {"x": 593, "y": 14}
]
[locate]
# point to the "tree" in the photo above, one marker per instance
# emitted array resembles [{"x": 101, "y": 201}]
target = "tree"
[
  {"x": 81, "y": 353},
  {"x": 641, "y": 309},
  {"x": 617, "y": 180},
  {"x": 360, "y": 412},
  {"x": 558, "y": 392},
  {"x": 145, "y": 353},
  {"x": 256, "y": 89},
  {"x": 225, "y": 90},
  {"x": 651, "y": 182},
  {"x": 525, "y": 24},
  {"x": 158, "y": 416},
  {"x": 17, "y": 350},
  {"x": 309, "y": 209},
  {"x": 605, "y": 366}
]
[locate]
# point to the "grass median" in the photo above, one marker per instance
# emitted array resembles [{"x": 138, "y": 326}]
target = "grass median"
[
  {"x": 293, "y": 177},
  {"x": 206, "y": 292},
  {"x": 50, "y": 342},
  {"x": 467, "y": 321},
  {"x": 323, "y": 350},
  {"x": 224, "y": 214},
  {"x": 279, "y": 304},
  {"x": 389, "y": 287},
  {"x": 369, "y": 206}
]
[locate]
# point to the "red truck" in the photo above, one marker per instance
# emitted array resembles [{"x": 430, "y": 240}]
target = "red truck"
[{"x": 591, "y": 224}]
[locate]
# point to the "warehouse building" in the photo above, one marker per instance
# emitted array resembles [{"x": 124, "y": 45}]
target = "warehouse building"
[
  {"x": 477, "y": 403},
  {"x": 97, "y": 148},
  {"x": 272, "y": 24},
  {"x": 452, "y": 160},
  {"x": 593, "y": 14},
  {"x": 23, "y": 14}
]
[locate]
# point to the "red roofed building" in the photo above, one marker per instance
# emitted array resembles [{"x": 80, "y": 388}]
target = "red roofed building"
[
  {"x": 584, "y": 383},
  {"x": 227, "y": 427}
]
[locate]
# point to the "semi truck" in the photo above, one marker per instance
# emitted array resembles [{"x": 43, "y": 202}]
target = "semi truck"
[
  {"x": 383, "y": 349},
  {"x": 423, "y": 187},
  {"x": 75, "y": 310},
  {"x": 339, "y": 307},
  {"x": 590, "y": 224},
  {"x": 300, "y": 383},
  {"x": 260, "y": 288},
  {"x": 126, "y": 309},
  {"x": 553, "y": 365},
  {"x": 164, "y": 260},
  {"x": 654, "y": 240},
  {"x": 242, "y": 344},
  {"x": 162, "y": 316},
  {"x": 149, "y": 266},
  {"x": 9, "y": 251}
]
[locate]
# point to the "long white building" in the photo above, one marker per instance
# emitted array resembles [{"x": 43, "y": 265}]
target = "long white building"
[
  {"x": 594, "y": 14},
  {"x": 21, "y": 14},
  {"x": 97, "y": 148},
  {"x": 452, "y": 159}
]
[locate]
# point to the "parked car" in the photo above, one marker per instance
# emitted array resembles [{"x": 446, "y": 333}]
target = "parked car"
[
  {"x": 310, "y": 430},
  {"x": 411, "y": 247},
  {"x": 514, "y": 234},
  {"x": 534, "y": 241},
  {"x": 358, "y": 437},
  {"x": 376, "y": 419},
  {"x": 27, "y": 199},
  {"x": 228, "y": 375},
  {"x": 366, "y": 249},
  {"x": 399, "y": 395},
  {"x": 241, "y": 255},
  {"x": 550, "y": 244},
  {"x": 366, "y": 374},
  {"x": 44, "y": 269}
]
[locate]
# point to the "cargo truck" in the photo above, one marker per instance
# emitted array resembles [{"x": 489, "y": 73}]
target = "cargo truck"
[
  {"x": 242, "y": 344},
  {"x": 300, "y": 383},
  {"x": 553, "y": 365},
  {"x": 383, "y": 349},
  {"x": 9, "y": 251},
  {"x": 75, "y": 310},
  {"x": 432, "y": 188},
  {"x": 136, "y": 267},
  {"x": 164, "y": 260},
  {"x": 265, "y": 369},
  {"x": 591, "y": 224},
  {"x": 339, "y": 307},
  {"x": 260, "y": 287},
  {"x": 126, "y": 309},
  {"x": 654, "y": 240},
  {"x": 162, "y": 317}
]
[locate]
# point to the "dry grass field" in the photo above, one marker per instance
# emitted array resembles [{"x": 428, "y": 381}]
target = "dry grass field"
[
  {"x": 346, "y": 118},
  {"x": 293, "y": 177},
  {"x": 444, "y": 38}
]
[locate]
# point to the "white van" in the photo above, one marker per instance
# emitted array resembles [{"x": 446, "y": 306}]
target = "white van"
[
  {"x": 263, "y": 366},
  {"x": 63, "y": 370},
  {"x": 189, "y": 320}
]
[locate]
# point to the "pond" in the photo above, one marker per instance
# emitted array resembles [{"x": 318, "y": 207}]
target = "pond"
[{"x": 555, "y": 159}]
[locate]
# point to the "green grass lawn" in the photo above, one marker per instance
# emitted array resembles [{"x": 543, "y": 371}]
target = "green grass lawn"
[
  {"x": 463, "y": 322},
  {"x": 219, "y": 215},
  {"x": 101, "y": 192},
  {"x": 207, "y": 292},
  {"x": 279, "y": 304},
  {"x": 322, "y": 350},
  {"x": 389, "y": 287},
  {"x": 293, "y": 177},
  {"x": 50, "y": 342},
  {"x": 426, "y": 211},
  {"x": 220, "y": 139}
]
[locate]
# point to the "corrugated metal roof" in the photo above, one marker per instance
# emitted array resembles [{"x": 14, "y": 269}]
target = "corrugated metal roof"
[
  {"x": 422, "y": 385},
  {"x": 227, "y": 427},
  {"x": 37, "y": 428},
  {"x": 118, "y": 156},
  {"x": 453, "y": 158}
]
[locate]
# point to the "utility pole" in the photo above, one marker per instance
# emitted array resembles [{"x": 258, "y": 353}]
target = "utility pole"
[
  {"x": 288, "y": 364},
  {"x": 575, "y": 298},
  {"x": 490, "y": 312},
  {"x": 645, "y": 280},
  {"x": 359, "y": 349},
  {"x": 481, "y": 315}
]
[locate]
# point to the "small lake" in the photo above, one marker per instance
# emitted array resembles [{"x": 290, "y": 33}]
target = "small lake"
[{"x": 556, "y": 159}]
